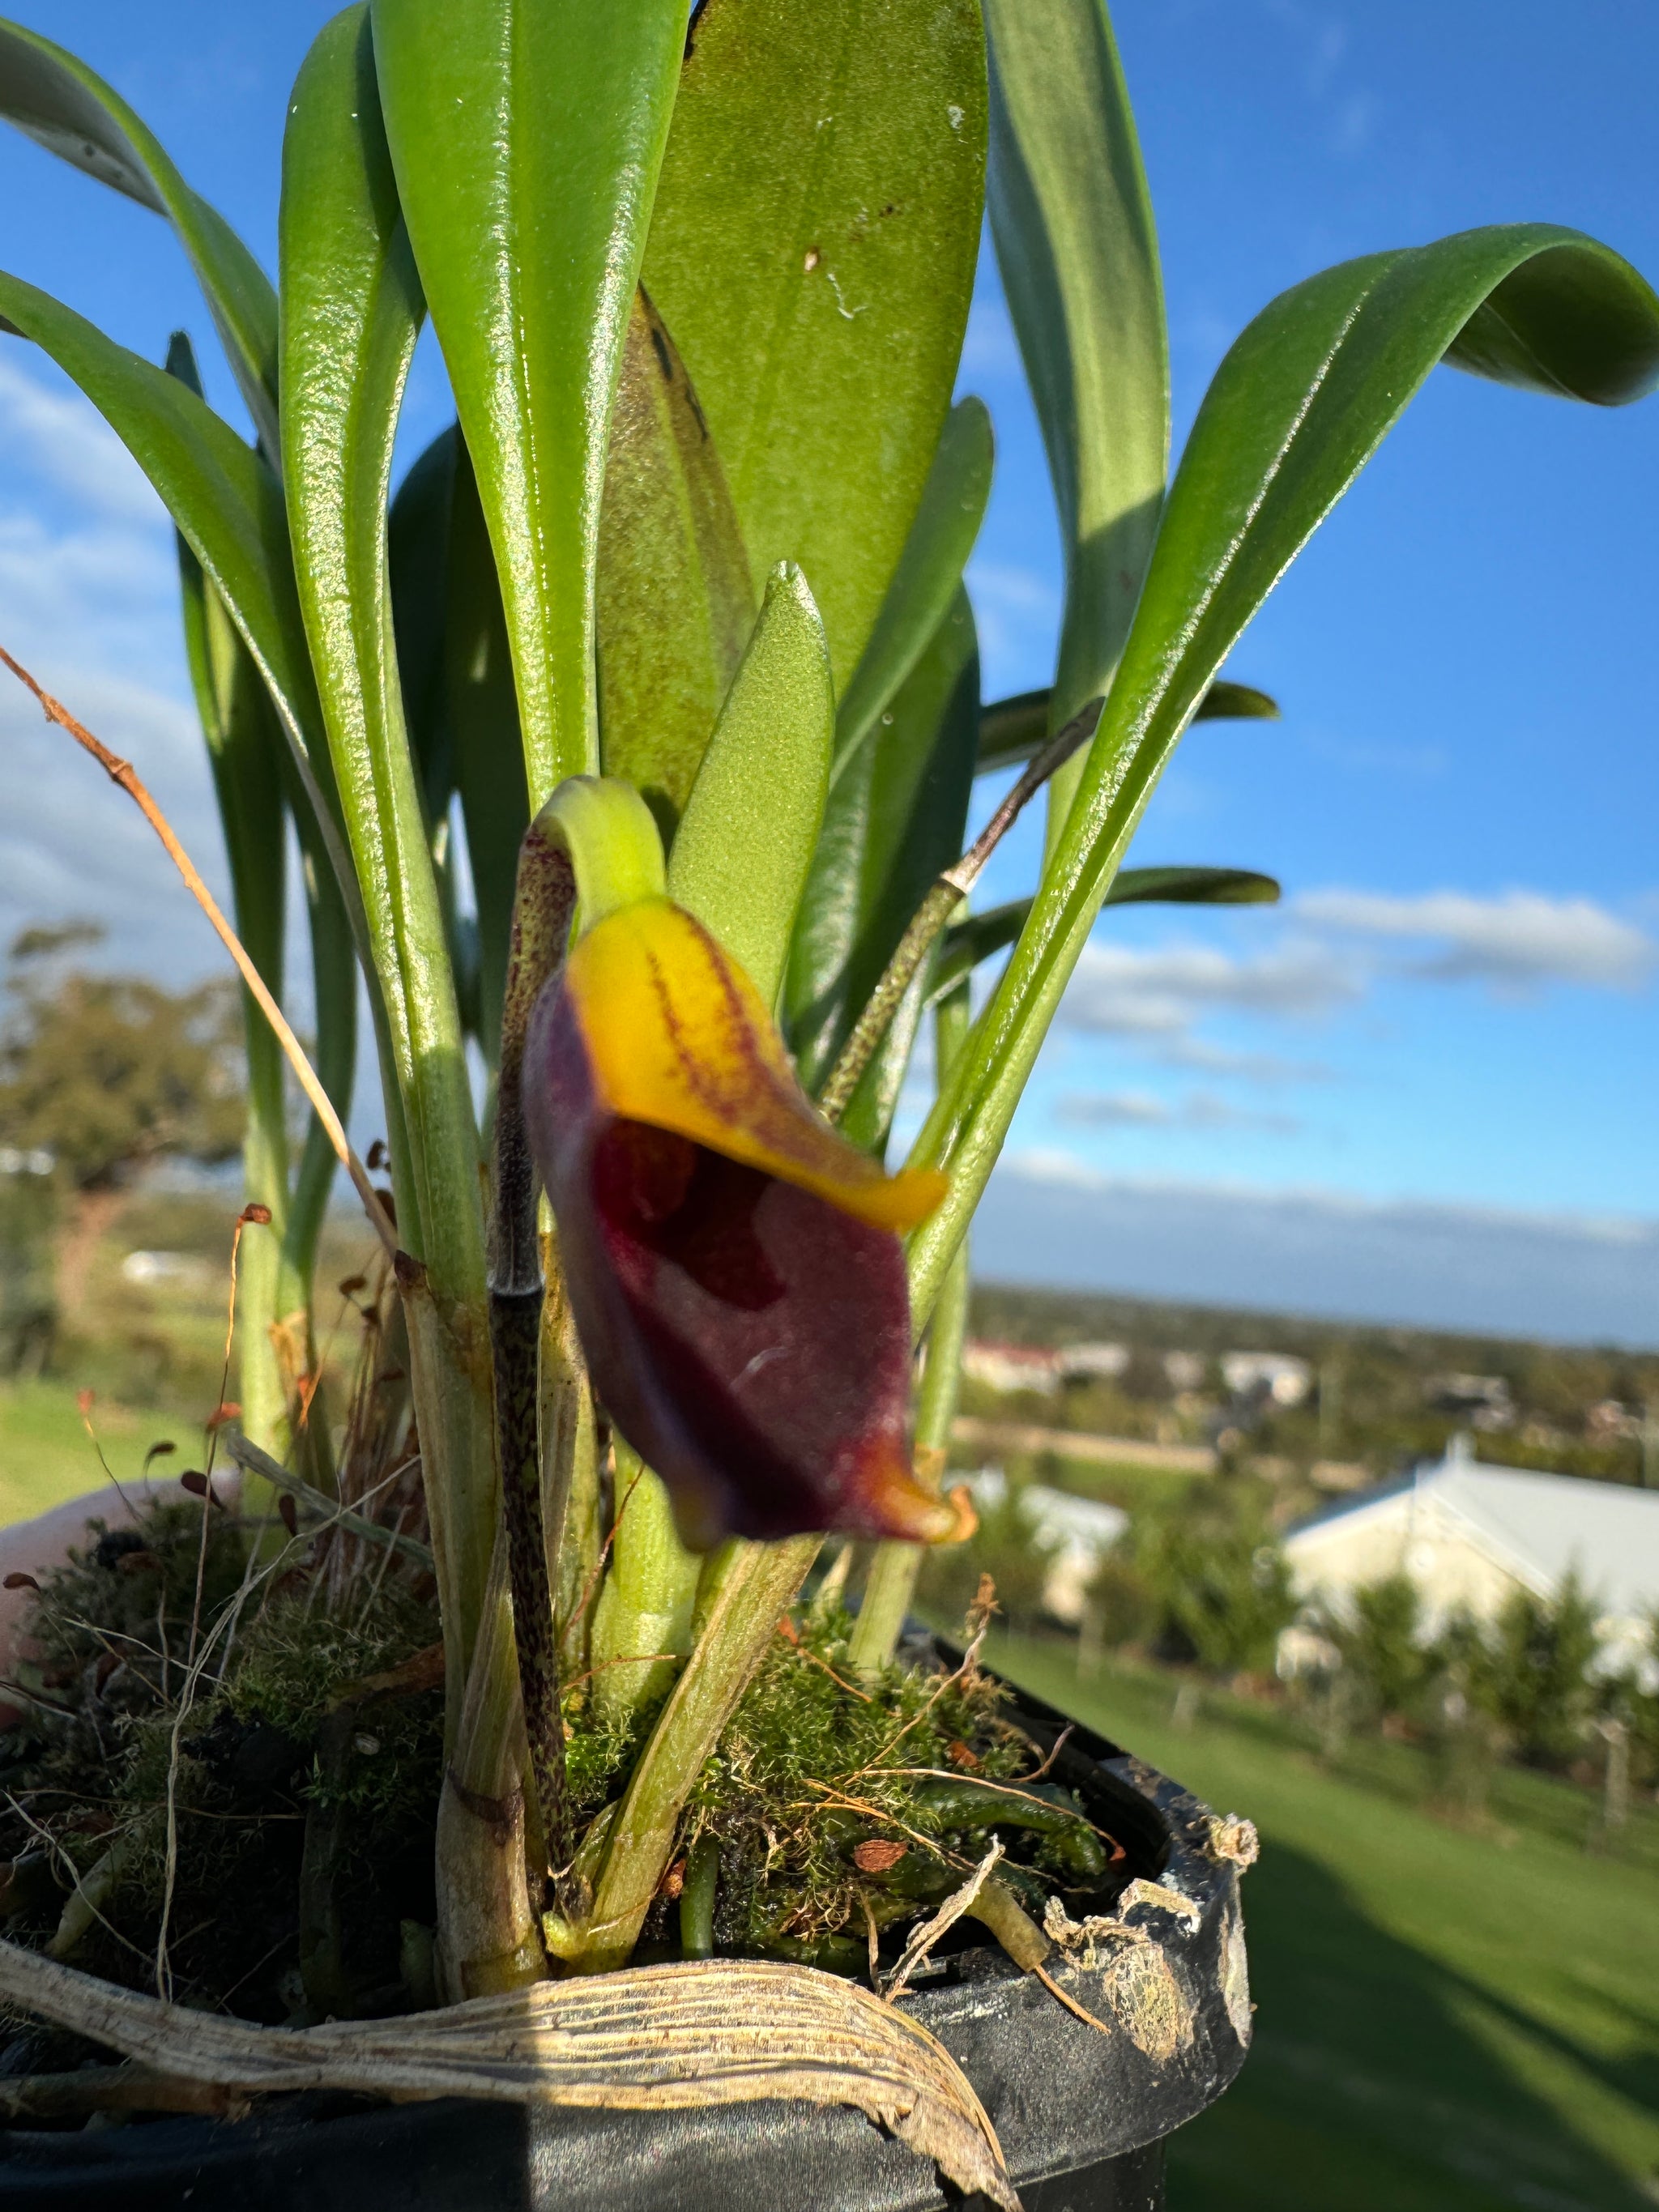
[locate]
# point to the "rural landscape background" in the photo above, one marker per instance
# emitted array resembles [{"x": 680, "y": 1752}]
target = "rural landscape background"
[{"x": 1397, "y": 1131}]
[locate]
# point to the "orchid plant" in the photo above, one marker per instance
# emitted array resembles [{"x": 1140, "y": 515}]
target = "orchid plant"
[{"x": 670, "y": 631}]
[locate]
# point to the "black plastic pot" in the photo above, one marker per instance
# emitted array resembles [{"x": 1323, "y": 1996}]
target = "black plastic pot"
[{"x": 1082, "y": 2117}]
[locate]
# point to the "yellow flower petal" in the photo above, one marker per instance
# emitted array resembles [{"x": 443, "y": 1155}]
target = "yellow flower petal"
[{"x": 678, "y": 1037}]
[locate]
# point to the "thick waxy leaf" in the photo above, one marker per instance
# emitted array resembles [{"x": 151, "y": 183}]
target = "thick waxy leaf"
[
  {"x": 486, "y": 751},
  {"x": 245, "y": 749},
  {"x": 1192, "y": 887},
  {"x": 351, "y": 310},
  {"x": 732, "y": 1262},
  {"x": 527, "y": 141},
  {"x": 895, "y": 819},
  {"x": 417, "y": 552},
  {"x": 813, "y": 250},
  {"x": 976, "y": 937},
  {"x": 676, "y": 604},
  {"x": 69, "y": 109},
  {"x": 418, "y": 544},
  {"x": 456, "y": 672},
  {"x": 1236, "y": 703},
  {"x": 256, "y": 787},
  {"x": 1012, "y": 731},
  {"x": 740, "y": 861},
  {"x": 1078, "y": 251},
  {"x": 1296, "y": 410},
  {"x": 929, "y": 572}
]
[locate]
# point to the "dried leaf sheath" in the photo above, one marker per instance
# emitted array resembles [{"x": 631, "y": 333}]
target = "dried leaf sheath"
[{"x": 720, "y": 2032}]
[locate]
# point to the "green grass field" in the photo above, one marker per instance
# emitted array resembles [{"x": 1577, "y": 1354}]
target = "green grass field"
[
  {"x": 1446, "y": 2019},
  {"x": 45, "y": 1454}
]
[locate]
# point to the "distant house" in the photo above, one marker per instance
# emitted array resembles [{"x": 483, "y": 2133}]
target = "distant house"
[
  {"x": 1483, "y": 1400},
  {"x": 1077, "y": 1533},
  {"x": 1275, "y": 1374},
  {"x": 1010, "y": 1366},
  {"x": 1471, "y": 1536},
  {"x": 1185, "y": 1370},
  {"x": 1092, "y": 1362}
]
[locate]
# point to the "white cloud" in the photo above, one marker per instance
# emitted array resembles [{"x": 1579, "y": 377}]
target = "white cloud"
[
  {"x": 89, "y": 603},
  {"x": 1510, "y": 943},
  {"x": 1263, "y": 1067},
  {"x": 70, "y": 843},
  {"x": 59, "y": 437},
  {"x": 1159, "y": 992},
  {"x": 1200, "y": 1110}
]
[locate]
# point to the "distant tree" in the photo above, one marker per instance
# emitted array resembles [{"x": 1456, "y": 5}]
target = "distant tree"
[
  {"x": 1122, "y": 1604},
  {"x": 1538, "y": 1681},
  {"x": 1380, "y": 1637},
  {"x": 1639, "y": 1699},
  {"x": 108, "y": 1073},
  {"x": 1220, "y": 1576}
]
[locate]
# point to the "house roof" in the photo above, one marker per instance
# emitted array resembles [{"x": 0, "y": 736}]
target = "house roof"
[
  {"x": 1542, "y": 1526},
  {"x": 1056, "y": 1516}
]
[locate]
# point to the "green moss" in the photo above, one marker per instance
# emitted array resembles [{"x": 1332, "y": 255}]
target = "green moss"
[
  {"x": 297, "y": 1663},
  {"x": 816, "y": 1763},
  {"x": 89, "y": 1773}
]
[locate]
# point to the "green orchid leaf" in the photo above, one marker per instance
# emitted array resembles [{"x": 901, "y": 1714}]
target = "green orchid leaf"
[
  {"x": 981, "y": 937},
  {"x": 929, "y": 570},
  {"x": 455, "y": 669},
  {"x": 976, "y": 937},
  {"x": 526, "y": 142},
  {"x": 1236, "y": 703},
  {"x": 351, "y": 311},
  {"x": 675, "y": 602},
  {"x": 418, "y": 560},
  {"x": 417, "y": 555},
  {"x": 1013, "y": 731},
  {"x": 1077, "y": 250},
  {"x": 255, "y": 785},
  {"x": 1300, "y": 403},
  {"x": 482, "y": 711},
  {"x": 1192, "y": 887},
  {"x": 813, "y": 250},
  {"x": 69, "y": 109},
  {"x": 751, "y": 823},
  {"x": 895, "y": 819},
  {"x": 245, "y": 749}
]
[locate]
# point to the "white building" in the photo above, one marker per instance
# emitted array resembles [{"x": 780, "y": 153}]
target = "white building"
[
  {"x": 1276, "y": 1375},
  {"x": 1010, "y": 1366},
  {"x": 1076, "y": 1532},
  {"x": 1093, "y": 1362},
  {"x": 1470, "y": 1535}
]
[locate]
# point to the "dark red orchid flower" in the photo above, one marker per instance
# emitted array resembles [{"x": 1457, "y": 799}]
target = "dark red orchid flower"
[{"x": 734, "y": 1264}]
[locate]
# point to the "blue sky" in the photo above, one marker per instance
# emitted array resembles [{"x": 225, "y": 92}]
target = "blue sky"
[{"x": 1452, "y": 1019}]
